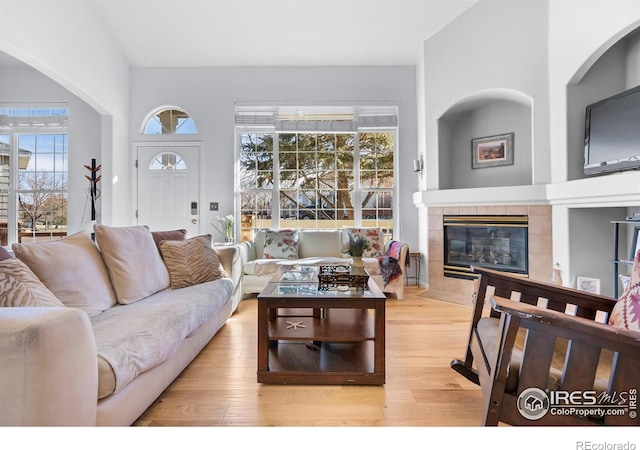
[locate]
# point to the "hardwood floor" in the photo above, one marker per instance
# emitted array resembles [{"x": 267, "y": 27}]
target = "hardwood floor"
[{"x": 219, "y": 388}]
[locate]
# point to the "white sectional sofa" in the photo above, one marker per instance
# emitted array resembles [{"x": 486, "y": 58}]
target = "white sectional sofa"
[
  {"x": 313, "y": 247},
  {"x": 92, "y": 334}
]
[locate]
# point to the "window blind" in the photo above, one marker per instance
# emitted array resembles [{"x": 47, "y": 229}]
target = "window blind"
[{"x": 322, "y": 119}]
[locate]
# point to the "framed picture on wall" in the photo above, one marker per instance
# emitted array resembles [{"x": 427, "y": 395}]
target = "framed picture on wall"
[
  {"x": 591, "y": 285},
  {"x": 492, "y": 151},
  {"x": 635, "y": 244}
]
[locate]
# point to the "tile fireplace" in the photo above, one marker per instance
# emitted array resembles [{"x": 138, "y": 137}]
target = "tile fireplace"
[{"x": 499, "y": 242}]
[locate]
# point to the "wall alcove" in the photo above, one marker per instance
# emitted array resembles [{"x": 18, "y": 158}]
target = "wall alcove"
[
  {"x": 615, "y": 70},
  {"x": 612, "y": 69},
  {"x": 487, "y": 113}
]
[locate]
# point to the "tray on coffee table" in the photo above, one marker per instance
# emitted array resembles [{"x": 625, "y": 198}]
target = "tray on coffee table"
[{"x": 342, "y": 278}]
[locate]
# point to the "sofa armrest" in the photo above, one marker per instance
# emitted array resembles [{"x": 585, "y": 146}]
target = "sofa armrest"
[
  {"x": 232, "y": 258},
  {"x": 227, "y": 255},
  {"x": 48, "y": 361}
]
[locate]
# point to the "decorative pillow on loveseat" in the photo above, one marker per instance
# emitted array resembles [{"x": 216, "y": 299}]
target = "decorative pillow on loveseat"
[
  {"x": 191, "y": 261},
  {"x": 73, "y": 270},
  {"x": 133, "y": 260},
  {"x": 626, "y": 312},
  {"x": 375, "y": 242},
  {"x": 19, "y": 286},
  {"x": 280, "y": 244}
]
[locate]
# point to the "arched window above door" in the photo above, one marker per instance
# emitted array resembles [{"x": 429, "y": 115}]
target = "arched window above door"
[
  {"x": 170, "y": 121},
  {"x": 167, "y": 161}
]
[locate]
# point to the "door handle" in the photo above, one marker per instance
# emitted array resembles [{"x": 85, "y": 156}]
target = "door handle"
[{"x": 194, "y": 221}]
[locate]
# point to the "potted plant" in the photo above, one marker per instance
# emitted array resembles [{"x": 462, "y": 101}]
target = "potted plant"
[
  {"x": 225, "y": 227},
  {"x": 357, "y": 246}
]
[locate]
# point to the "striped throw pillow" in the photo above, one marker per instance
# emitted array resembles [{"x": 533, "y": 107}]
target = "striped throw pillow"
[
  {"x": 191, "y": 261},
  {"x": 19, "y": 286}
]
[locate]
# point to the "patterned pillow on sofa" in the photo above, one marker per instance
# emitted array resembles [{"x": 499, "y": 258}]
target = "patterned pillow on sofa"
[
  {"x": 19, "y": 286},
  {"x": 191, "y": 261},
  {"x": 372, "y": 235},
  {"x": 626, "y": 312},
  {"x": 280, "y": 244}
]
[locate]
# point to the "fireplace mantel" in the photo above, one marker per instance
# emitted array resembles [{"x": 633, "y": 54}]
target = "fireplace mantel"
[{"x": 539, "y": 248}]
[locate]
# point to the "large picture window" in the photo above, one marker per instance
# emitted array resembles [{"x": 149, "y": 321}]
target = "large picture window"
[
  {"x": 34, "y": 152},
  {"x": 315, "y": 179}
]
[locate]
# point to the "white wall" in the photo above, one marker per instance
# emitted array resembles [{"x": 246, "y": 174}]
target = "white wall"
[
  {"x": 542, "y": 49},
  {"x": 209, "y": 96},
  {"x": 28, "y": 85},
  {"x": 67, "y": 42},
  {"x": 495, "y": 45}
]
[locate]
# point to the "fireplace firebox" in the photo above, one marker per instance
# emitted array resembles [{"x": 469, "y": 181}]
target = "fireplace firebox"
[{"x": 496, "y": 242}]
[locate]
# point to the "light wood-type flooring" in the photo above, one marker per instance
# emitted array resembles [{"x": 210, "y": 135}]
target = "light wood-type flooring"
[{"x": 423, "y": 335}]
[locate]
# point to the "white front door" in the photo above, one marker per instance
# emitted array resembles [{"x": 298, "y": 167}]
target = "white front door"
[{"x": 168, "y": 181}]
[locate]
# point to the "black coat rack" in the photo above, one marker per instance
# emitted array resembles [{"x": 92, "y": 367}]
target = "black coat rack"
[{"x": 93, "y": 188}]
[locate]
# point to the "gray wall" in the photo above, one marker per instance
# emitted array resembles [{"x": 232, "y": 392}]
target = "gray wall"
[
  {"x": 591, "y": 245},
  {"x": 209, "y": 96},
  {"x": 493, "y": 49}
]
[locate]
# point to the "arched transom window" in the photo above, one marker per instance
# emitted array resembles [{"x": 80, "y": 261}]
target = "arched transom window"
[
  {"x": 170, "y": 121},
  {"x": 167, "y": 161}
]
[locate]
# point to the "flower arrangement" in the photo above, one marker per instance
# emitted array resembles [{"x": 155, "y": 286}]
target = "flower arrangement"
[
  {"x": 357, "y": 245},
  {"x": 225, "y": 227}
]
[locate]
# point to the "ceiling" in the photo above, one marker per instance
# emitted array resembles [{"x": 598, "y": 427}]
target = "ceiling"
[{"x": 208, "y": 33}]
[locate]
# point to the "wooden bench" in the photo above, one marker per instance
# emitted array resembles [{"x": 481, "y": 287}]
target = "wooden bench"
[{"x": 530, "y": 337}]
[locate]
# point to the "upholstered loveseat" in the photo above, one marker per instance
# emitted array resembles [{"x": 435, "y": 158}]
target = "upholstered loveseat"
[
  {"x": 92, "y": 334},
  {"x": 272, "y": 249}
]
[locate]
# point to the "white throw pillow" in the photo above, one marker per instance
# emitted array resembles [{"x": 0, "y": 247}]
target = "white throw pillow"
[
  {"x": 133, "y": 260},
  {"x": 73, "y": 270}
]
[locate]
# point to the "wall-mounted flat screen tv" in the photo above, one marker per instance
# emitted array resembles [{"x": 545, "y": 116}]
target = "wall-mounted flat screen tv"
[{"x": 612, "y": 134}]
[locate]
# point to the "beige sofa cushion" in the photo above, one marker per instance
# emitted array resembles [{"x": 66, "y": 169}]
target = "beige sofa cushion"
[
  {"x": 132, "y": 339},
  {"x": 133, "y": 260},
  {"x": 319, "y": 243},
  {"x": 192, "y": 261},
  {"x": 20, "y": 287},
  {"x": 73, "y": 270}
]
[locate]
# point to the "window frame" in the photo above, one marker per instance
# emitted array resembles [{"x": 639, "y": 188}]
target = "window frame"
[
  {"x": 14, "y": 188},
  {"x": 358, "y": 192}
]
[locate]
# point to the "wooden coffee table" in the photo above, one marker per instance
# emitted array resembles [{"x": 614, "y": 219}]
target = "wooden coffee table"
[{"x": 311, "y": 336}]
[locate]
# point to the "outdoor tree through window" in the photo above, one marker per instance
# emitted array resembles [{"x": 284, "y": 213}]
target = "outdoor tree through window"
[
  {"x": 320, "y": 180},
  {"x": 42, "y": 195},
  {"x": 33, "y": 148}
]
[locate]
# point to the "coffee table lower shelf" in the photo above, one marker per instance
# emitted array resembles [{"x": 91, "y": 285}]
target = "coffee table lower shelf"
[{"x": 321, "y": 363}]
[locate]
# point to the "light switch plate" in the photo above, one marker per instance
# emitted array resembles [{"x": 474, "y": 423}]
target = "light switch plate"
[{"x": 213, "y": 206}]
